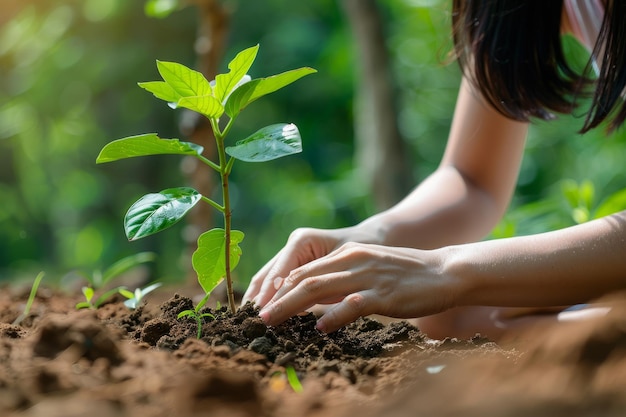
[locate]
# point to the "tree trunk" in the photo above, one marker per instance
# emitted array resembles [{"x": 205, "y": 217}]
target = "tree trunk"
[{"x": 380, "y": 152}]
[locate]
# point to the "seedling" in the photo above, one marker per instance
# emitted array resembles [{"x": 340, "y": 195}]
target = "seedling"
[
  {"x": 92, "y": 303},
  {"x": 134, "y": 298},
  {"x": 218, "y": 250},
  {"x": 31, "y": 298},
  {"x": 197, "y": 315},
  {"x": 99, "y": 279}
]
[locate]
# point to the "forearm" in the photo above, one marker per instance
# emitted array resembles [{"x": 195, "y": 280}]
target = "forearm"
[
  {"x": 564, "y": 267},
  {"x": 445, "y": 209}
]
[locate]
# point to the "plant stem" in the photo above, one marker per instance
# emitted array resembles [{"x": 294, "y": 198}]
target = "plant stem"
[{"x": 224, "y": 173}]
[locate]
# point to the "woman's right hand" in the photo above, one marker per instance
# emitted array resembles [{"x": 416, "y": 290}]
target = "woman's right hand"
[{"x": 303, "y": 246}]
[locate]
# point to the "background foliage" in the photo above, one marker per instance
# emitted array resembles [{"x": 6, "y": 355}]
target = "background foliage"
[{"x": 69, "y": 72}]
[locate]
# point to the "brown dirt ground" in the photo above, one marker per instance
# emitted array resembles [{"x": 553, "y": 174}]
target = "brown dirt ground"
[{"x": 117, "y": 362}]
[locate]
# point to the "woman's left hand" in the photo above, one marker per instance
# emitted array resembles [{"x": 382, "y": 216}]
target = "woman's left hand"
[{"x": 363, "y": 279}]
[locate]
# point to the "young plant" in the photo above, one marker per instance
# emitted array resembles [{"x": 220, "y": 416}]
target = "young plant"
[
  {"x": 197, "y": 315},
  {"x": 99, "y": 279},
  {"x": 220, "y": 101},
  {"x": 135, "y": 297},
  {"x": 31, "y": 298}
]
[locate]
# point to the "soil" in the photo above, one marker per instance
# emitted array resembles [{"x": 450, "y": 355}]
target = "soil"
[{"x": 113, "y": 361}]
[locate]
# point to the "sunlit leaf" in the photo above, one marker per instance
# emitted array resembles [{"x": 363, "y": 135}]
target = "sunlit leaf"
[
  {"x": 160, "y": 8},
  {"x": 161, "y": 90},
  {"x": 207, "y": 105},
  {"x": 612, "y": 204},
  {"x": 257, "y": 88},
  {"x": 158, "y": 211},
  {"x": 185, "y": 81},
  {"x": 143, "y": 145},
  {"x": 239, "y": 66},
  {"x": 270, "y": 142},
  {"x": 209, "y": 259}
]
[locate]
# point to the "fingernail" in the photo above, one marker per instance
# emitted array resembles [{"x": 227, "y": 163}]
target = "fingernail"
[
  {"x": 321, "y": 326},
  {"x": 278, "y": 282},
  {"x": 265, "y": 316}
]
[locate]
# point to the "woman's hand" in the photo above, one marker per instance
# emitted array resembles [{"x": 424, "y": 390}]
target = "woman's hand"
[
  {"x": 304, "y": 245},
  {"x": 363, "y": 279}
]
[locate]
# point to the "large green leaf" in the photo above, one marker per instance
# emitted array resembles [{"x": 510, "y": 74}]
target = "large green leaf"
[
  {"x": 184, "y": 80},
  {"x": 207, "y": 105},
  {"x": 158, "y": 211},
  {"x": 209, "y": 259},
  {"x": 143, "y": 145},
  {"x": 239, "y": 66},
  {"x": 270, "y": 142},
  {"x": 251, "y": 91}
]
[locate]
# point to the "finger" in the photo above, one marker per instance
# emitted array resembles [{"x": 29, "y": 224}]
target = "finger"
[
  {"x": 348, "y": 310},
  {"x": 307, "y": 293}
]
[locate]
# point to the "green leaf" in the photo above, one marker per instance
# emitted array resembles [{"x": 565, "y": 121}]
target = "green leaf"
[
  {"x": 257, "y": 88},
  {"x": 161, "y": 90},
  {"x": 268, "y": 143},
  {"x": 125, "y": 264},
  {"x": 206, "y": 105},
  {"x": 160, "y": 8},
  {"x": 239, "y": 66},
  {"x": 209, "y": 259},
  {"x": 185, "y": 81},
  {"x": 88, "y": 292},
  {"x": 186, "y": 313},
  {"x": 158, "y": 211},
  {"x": 126, "y": 293},
  {"x": 612, "y": 204},
  {"x": 144, "y": 145}
]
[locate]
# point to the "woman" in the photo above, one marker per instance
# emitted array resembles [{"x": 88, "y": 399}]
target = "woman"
[{"x": 417, "y": 259}]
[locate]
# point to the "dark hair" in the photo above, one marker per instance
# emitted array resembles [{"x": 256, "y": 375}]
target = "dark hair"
[{"x": 512, "y": 52}]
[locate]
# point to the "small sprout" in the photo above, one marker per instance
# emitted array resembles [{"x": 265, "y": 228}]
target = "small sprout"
[
  {"x": 89, "y": 294},
  {"x": 31, "y": 298},
  {"x": 292, "y": 378},
  {"x": 280, "y": 380},
  {"x": 99, "y": 279},
  {"x": 134, "y": 298}
]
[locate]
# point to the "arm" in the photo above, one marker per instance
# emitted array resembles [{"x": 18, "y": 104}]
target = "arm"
[
  {"x": 469, "y": 192},
  {"x": 563, "y": 267}
]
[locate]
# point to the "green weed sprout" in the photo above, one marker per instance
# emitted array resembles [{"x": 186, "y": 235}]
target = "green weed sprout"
[
  {"x": 134, "y": 297},
  {"x": 221, "y": 100},
  {"x": 31, "y": 298},
  {"x": 99, "y": 279}
]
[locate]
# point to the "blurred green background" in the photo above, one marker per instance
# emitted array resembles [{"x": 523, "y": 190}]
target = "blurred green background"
[{"x": 69, "y": 70}]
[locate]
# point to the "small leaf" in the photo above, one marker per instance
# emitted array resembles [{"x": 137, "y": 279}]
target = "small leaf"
[
  {"x": 257, "y": 88},
  {"x": 185, "y": 81},
  {"x": 144, "y": 145},
  {"x": 268, "y": 143},
  {"x": 209, "y": 259},
  {"x": 239, "y": 66},
  {"x": 126, "y": 293},
  {"x": 88, "y": 292},
  {"x": 160, "y": 8},
  {"x": 158, "y": 211},
  {"x": 161, "y": 90},
  {"x": 186, "y": 313},
  {"x": 206, "y": 105}
]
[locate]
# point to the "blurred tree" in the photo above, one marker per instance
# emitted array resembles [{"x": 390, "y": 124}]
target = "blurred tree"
[{"x": 380, "y": 152}]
